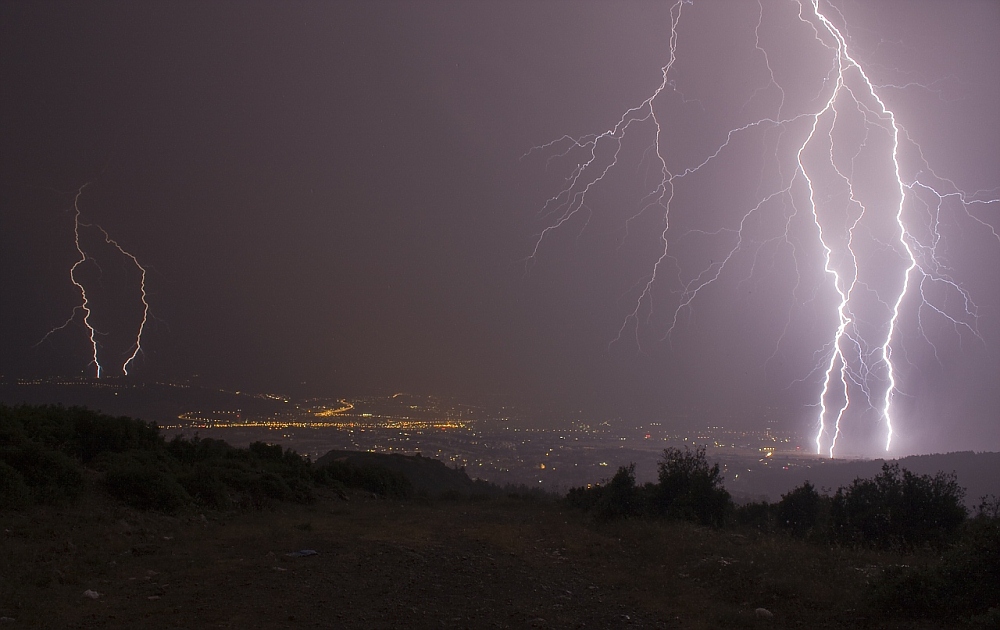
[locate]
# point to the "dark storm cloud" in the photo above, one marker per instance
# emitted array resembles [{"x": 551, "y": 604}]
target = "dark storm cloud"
[{"x": 334, "y": 193}]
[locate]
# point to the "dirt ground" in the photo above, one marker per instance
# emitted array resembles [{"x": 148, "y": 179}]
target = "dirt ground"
[
  {"x": 416, "y": 564},
  {"x": 378, "y": 564}
]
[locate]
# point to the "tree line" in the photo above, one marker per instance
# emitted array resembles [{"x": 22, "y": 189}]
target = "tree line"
[
  {"x": 895, "y": 511},
  {"x": 48, "y": 453}
]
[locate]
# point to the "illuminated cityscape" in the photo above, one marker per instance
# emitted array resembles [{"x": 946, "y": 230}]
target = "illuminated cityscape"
[
  {"x": 500, "y": 444},
  {"x": 496, "y": 447}
]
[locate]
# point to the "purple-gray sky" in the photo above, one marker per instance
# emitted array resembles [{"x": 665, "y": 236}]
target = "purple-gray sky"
[{"x": 337, "y": 194}]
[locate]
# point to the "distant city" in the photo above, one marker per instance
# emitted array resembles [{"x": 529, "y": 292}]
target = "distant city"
[
  {"x": 496, "y": 446},
  {"x": 502, "y": 445}
]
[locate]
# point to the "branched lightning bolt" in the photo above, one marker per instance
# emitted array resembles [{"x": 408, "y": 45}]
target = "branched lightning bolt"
[
  {"x": 857, "y": 362},
  {"x": 137, "y": 344},
  {"x": 85, "y": 306}
]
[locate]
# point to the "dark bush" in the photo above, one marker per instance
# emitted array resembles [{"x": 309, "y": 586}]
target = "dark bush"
[
  {"x": 691, "y": 489},
  {"x": 267, "y": 452},
  {"x": 376, "y": 479},
  {"x": 97, "y": 433},
  {"x": 11, "y": 428},
  {"x": 758, "y": 515},
  {"x": 238, "y": 482},
  {"x": 799, "y": 510},
  {"x": 76, "y": 431},
  {"x": 384, "y": 482},
  {"x": 206, "y": 486},
  {"x": 963, "y": 586},
  {"x": 273, "y": 486},
  {"x": 583, "y": 498},
  {"x": 42, "y": 449},
  {"x": 49, "y": 475},
  {"x": 198, "y": 450},
  {"x": 897, "y": 508},
  {"x": 302, "y": 490},
  {"x": 50, "y": 426},
  {"x": 14, "y": 493},
  {"x": 988, "y": 509},
  {"x": 619, "y": 497},
  {"x": 144, "y": 481}
]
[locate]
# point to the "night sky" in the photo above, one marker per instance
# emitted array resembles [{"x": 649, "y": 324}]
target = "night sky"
[{"x": 341, "y": 198}]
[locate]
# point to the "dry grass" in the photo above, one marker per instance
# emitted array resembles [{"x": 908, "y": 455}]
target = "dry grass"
[{"x": 396, "y": 564}]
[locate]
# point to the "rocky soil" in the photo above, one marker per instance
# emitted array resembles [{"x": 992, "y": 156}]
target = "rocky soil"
[{"x": 502, "y": 563}]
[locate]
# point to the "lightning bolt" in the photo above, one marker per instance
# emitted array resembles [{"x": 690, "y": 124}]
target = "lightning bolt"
[
  {"x": 877, "y": 238},
  {"x": 85, "y": 303}
]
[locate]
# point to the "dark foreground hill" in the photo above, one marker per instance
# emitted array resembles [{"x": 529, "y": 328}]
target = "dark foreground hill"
[
  {"x": 350, "y": 560},
  {"x": 427, "y": 475},
  {"x": 500, "y": 563},
  {"x": 107, "y": 525}
]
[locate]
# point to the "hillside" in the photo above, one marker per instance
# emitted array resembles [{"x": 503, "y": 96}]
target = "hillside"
[
  {"x": 418, "y": 564},
  {"x": 151, "y": 401},
  {"x": 107, "y": 525},
  {"x": 428, "y": 475}
]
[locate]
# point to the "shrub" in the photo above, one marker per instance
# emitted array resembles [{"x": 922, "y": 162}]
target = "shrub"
[
  {"x": 619, "y": 497},
  {"x": 144, "y": 481},
  {"x": 273, "y": 486},
  {"x": 302, "y": 490},
  {"x": 691, "y": 489},
  {"x": 47, "y": 425},
  {"x": 50, "y": 476},
  {"x": 266, "y": 452},
  {"x": 206, "y": 486},
  {"x": 759, "y": 515},
  {"x": 897, "y": 508},
  {"x": 11, "y": 429},
  {"x": 14, "y": 493},
  {"x": 76, "y": 431},
  {"x": 584, "y": 498},
  {"x": 988, "y": 508},
  {"x": 799, "y": 510},
  {"x": 963, "y": 586},
  {"x": 198, "y": 450},
  {"x": 97, "y": 433},
  {"x": 41, "y": 449},
  {"x": 376, "y": 479}
]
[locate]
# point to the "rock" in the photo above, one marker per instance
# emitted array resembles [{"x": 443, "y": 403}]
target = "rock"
[
  {"x": 763, "y": 613},
  {"x": 91, "y": 594}
]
